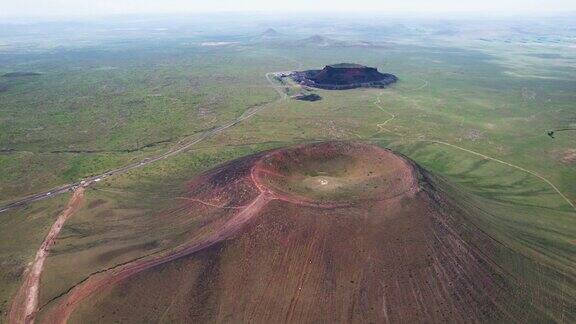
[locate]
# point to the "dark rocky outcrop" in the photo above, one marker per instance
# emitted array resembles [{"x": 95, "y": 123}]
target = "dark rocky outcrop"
[
  {"x": 19, "y": 74},
  {"x": 344, "y": 76},
  {"x": 308, "y": 97}
]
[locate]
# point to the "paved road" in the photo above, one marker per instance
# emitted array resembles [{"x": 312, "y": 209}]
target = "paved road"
[{"x": 181, "y": 147}]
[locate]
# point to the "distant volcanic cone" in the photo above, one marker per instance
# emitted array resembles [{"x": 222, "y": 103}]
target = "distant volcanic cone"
[
  {"x": 344, "y": 76},
  {"x": 270, "y": 32},
  {"x": 326, "y": 232}
]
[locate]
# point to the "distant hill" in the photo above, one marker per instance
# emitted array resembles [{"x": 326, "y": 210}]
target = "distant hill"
[
  {"x": 323, "y": 41},
  {"x": 320, "y": 41},
  {"x": 270, "y": 33},
  {"x": 270, "y": 36}
]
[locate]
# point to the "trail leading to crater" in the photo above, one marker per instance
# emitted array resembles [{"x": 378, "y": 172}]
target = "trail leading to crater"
[{"x": 24, "y": 306}]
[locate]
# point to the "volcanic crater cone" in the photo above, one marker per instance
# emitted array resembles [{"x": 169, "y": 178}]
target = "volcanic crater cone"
[
  {"x": 333, "y": 174},
  {"x": 344, "y": 76},
  {"x": 326, "y": 232}
]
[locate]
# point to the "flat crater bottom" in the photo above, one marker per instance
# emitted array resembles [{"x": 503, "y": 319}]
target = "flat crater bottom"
[{"x": 334, "y": 172}]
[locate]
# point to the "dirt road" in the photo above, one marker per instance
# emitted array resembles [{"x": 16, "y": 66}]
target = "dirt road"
[
  {"x": 99, "y": 281},
  {"x": 239, "y": 217},
  {"x": 24, "y": 306}
]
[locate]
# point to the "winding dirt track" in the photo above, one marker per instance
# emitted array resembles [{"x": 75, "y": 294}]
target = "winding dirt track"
[
  {"x": 97, "y": 282},
  {"x": 25, "y": 304},
  {"x": 382, "y": 128},
  {"x": 101, "y": 280}
]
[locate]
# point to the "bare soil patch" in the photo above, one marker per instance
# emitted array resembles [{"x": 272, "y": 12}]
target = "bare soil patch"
[{"x": 568, "y": 157}]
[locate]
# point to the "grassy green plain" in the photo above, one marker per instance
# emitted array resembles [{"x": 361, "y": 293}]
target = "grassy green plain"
[{"x": 102, "y": 106}]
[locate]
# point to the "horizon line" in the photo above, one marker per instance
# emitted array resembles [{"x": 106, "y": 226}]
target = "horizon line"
[{"x": 440, "y": 14}]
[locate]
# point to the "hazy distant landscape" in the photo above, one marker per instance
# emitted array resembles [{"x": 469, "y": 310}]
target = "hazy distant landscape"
[{"x": 124, "y": 122}]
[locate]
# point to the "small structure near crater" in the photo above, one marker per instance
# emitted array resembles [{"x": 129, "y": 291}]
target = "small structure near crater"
[{"x": 344, "y": 76}]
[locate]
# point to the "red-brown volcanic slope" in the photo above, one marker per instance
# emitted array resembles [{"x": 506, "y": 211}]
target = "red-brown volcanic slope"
[{"x": 328, "y": 232}]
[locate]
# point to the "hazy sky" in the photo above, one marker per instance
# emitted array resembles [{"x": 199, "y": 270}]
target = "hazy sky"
[{"x": 14, "y": 8}]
